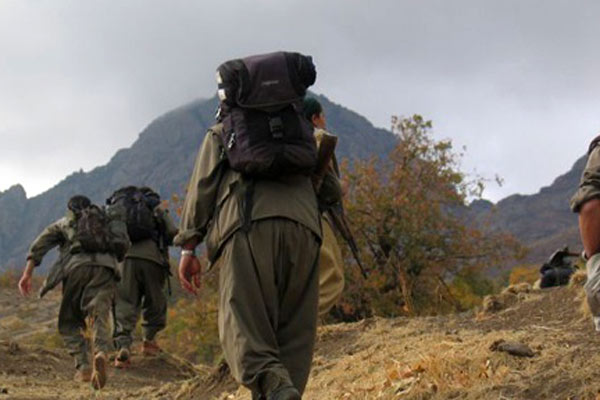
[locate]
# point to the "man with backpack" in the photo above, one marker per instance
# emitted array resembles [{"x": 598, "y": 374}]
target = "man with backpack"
[
  {"x": 251, "y": 200},
  {"x": 144, "y": 272},
  {"x": 90, "y": 241},
  {"x": 331, "y": 264}
]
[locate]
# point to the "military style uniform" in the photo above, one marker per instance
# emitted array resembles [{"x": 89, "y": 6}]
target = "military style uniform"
[
  {"x": 88, "y": 286},
  {"x": 331, "y": 264},
  {"x": 142, "y": 287},
  {"x": 589, "y": 188},
  {"x": 266, "y": 247}
]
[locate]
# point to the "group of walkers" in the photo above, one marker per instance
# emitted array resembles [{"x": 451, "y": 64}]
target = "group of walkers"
[
  {"x": 112, "y": 260},
  {"x": 264, "y": 197}
]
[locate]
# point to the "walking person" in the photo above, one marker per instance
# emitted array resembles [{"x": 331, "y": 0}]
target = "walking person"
[
  {"x": 251, "y": 200},
  {"x": 331, "y": 262},
  {"x": 144, "y": 273},
  {"x": 90, "y": 241}
]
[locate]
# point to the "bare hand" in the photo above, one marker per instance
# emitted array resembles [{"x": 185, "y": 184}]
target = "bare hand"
[
  {"x": 190, "y": 271},
  {"x": 25, "y": 281},
  {"x": 25, "y": 284}
]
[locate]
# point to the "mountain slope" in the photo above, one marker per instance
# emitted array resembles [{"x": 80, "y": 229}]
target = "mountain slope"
[
  {"x": 436, "y": 358},
  {"x": 543, "y": 221},
  {"x": 162, "y": 157}
]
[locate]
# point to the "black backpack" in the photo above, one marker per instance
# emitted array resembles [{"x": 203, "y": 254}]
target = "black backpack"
[
  {"x": 265, "y": 133},
  {"x": 139, "y": 207},
  {"x": 92, "y": 231}
]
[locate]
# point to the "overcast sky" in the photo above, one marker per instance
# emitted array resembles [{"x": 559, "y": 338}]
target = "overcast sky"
[{"x": 515, "y": 81}]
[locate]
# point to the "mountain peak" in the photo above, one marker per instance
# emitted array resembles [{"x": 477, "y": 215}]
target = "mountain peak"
[
  {"x": 162, "y": 157},
  {"x": 14, "y": 192}
]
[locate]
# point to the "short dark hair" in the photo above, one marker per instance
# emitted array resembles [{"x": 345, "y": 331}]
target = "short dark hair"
[
  {"x": 312, "y": 107},
  {"x": 78, "y": 203}
]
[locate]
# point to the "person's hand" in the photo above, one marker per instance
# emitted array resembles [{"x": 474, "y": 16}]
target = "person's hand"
[
  {"x": 190, "y": 271},
  {"x": 26, "y": 279}
]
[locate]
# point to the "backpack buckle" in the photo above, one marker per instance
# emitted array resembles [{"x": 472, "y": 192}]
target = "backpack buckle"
[
  {"x": 276, "y": 126},
  {"x": 231, "y": 141}
]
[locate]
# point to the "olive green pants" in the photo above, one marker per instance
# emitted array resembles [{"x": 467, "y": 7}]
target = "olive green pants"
[
  {"x": 268, "y": 286},
  {"x": 331, "y": 270},
  {"x": 141, "y": 290},
  {"x": 88, "y": 292}
]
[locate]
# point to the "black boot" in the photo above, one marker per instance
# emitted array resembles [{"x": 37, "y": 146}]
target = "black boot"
[
  {"x": 276, "y": 385},
  {"x": 285, "y": 393}
]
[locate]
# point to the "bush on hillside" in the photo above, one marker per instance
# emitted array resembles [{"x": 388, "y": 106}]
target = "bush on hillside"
[
  {"x": 191, "y": 330},
  {"x": 524, "y": 273},
  {"x": 407, "y": 212}
]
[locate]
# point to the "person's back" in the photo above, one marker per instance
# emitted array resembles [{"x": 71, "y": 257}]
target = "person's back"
[
  {"x": 144, "y": 273},
  {"x": 90, "y": 242},
  {"x": 264, "y": 233},
  {"x": 241, "y": 200}
]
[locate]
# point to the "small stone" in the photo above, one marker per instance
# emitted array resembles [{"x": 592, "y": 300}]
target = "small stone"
[{"x": 513, "y": 348}]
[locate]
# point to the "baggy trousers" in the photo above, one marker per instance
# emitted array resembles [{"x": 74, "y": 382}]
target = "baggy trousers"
[
  {"x": 331, "y": 270},
  {"x": 88, "y": 291},
  {"x": 141, "y": 289},
  {"x": 268, "y": 286},
  {"x": 592, "y": 288}
]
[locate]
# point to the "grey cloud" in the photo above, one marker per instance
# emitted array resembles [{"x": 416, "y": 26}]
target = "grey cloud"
[{"x": 515, "y": 81}]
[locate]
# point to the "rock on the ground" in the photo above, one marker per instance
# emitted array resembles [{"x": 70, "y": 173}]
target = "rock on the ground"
[{"x": 513, "y": 348}]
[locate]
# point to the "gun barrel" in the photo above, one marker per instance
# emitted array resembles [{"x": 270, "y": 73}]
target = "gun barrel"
[{"x": 325, "y": 154}]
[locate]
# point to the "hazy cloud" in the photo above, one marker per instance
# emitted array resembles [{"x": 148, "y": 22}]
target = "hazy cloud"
[{"x": 515, "y": 81}]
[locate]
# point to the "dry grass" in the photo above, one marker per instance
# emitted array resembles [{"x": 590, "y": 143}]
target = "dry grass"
[
  {"x": 578, "y": 278},
  {"x": 434, "y": 358},
  {"x": 450, "y": 358}
]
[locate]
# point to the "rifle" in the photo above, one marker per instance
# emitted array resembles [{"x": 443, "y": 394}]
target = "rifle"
[
  {"x": 340, "y": 223},
  {"x": 325, "y": 154},
  {"x": 337, "y": 217}
]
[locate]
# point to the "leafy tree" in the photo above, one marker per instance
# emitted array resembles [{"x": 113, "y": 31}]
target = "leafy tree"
[{"x": 408, "y": 213}]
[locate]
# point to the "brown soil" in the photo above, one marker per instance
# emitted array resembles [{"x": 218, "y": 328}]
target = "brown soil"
[
  {"x": 446, "y": 357},
  {"x": 31, "y": 372}
]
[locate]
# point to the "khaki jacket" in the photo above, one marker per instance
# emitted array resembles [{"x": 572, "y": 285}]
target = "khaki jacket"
[
  {"x": 589, "y": 186},
  {"x": 149, "y": 249},
  {"x": 214, "y": 207},
  {"x": 60, "y": 234}
]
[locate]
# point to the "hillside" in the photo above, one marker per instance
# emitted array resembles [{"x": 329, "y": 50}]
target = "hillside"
[
  {"x": 541, "y": 221},
  {"x": 164, "y": 152},
  {"x": 161, "y": 157},
  {"x": 444, "y": 357}
]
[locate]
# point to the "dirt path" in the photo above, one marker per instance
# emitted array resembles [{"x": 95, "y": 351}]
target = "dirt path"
[
  {"x": 31, "y": 372},
  {"x": 22, "y": 318}
]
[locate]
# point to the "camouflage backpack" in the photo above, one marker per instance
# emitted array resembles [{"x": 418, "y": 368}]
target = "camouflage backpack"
[
  {"x": 92, "y": 231},
  {"x": 139, "y": 204}
]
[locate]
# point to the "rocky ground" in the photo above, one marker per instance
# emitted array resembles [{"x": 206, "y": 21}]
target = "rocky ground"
[{"x": 449, "y": 357}]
